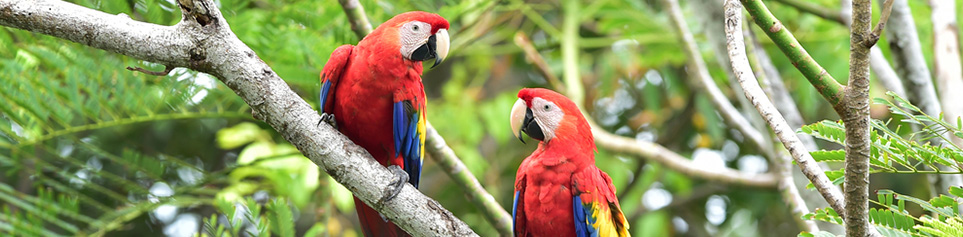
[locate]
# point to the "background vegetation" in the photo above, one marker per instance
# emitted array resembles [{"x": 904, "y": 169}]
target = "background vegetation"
[{"x": 89, "y": 147}]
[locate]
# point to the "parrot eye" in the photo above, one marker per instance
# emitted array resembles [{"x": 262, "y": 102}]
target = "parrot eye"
[
  {"x": 548, "y": 107},
  {"x": 415, "y": 28}
]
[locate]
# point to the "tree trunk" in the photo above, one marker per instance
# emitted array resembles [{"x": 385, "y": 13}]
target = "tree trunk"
[{"x": 854, "y": 110}]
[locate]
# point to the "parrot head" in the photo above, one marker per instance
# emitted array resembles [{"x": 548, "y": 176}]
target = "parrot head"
[
  {"x": 546, "y": 115},
  {"x": 417, "y": 36}
]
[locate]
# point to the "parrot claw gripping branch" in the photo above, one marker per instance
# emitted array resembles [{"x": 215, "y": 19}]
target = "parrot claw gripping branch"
[
  {"x": 373, "y": 93},
  {"x": 391, "y": 191},
  {"x": 329, "y": 119}
]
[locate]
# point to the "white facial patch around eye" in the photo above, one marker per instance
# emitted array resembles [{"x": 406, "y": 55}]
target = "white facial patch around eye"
[
  {"x": 413, "y": 34},
  {"x": 548, "y": 115}
]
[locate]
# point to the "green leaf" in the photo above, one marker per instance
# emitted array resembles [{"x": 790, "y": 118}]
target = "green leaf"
[
  {"x": 956, "y": 191},
  {"x": 829, "y": 156}
]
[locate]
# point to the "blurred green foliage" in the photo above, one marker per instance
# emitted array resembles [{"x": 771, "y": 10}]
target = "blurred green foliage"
[{"x": 87, "y": 147}]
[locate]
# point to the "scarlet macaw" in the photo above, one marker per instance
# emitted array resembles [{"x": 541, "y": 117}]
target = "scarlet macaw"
[
  {"x": 558, "y": 189},
  {"x": 374, "y": 93}
]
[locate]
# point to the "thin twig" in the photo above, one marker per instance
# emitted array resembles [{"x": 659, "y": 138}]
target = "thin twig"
[
  {"x": 570, "y": 50},
  {"x": 884, "y": 16},
  {"x": 532, "y": 54},
  {"x": 827, "y": 86},
  {"x": 776, "y": 89},
  {"x": 666, "y": 157},
  {"x": 813, "y": 9},
  {"x": 678, "y": 163},
  {"x": 636, "y": 181},
  {"x": 782, "y": 162},
  {"x": 720, "y": 101},
  {"x": 880, "y": 65},
  {"x": 167, "y": 69},
  {"x": 476, "y": 193},
  {"x": 884, "y": 72},
  {"x": 743, "y": 72}
]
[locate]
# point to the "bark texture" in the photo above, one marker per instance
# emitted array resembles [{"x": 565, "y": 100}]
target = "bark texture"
[
  {"x": 204, "y": 42},
  {"x": 854, "y": 111},
  {"x": 884, "y": 72}
]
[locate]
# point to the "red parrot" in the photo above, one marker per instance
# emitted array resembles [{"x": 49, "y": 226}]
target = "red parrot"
[
  {"x": 373, "y": 94},
  {"x": 558, "y": 189}
]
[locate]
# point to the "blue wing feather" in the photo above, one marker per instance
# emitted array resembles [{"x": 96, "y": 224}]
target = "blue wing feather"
[
  {"x": 415, "y": 157},
  {"x": 515, "y": 209},
  {"x": 325, "y": 90},
  {"x": 399, "y": 121},
  {"x": 407, "y": 137},
  {"x": 412, "y": 125},
  {"x": 578, "y": 211}
]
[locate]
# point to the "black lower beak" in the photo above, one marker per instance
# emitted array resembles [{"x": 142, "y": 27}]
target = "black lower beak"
[
  {"x": 426, "y": 51},
  {"x": 530, "y": 127}
]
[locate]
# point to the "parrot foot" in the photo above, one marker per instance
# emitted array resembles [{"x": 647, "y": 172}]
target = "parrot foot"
[
  {"x": 396, "y": 184},
  {"x": 329, "y": 119}
]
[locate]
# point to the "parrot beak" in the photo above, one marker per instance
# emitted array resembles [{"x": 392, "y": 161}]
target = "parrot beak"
[
  {"x": 518, "y": 116},
  {"x": 436, "y": 47},
  {"x": 524, "y": 121},
  {"x": 442, "y": 42}
]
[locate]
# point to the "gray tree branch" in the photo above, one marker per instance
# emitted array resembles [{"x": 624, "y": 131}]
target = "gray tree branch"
[
  {"x": 743, "y": 73},
  {"x": 203, "y": 41},
  {"x": 742, "y": 70},
  {"x": 708, "y": 13}
]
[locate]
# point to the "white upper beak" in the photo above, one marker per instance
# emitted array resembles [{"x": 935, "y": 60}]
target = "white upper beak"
[
  {"x": 442, "y": 42},
  {"x": 518, "y": 117}
]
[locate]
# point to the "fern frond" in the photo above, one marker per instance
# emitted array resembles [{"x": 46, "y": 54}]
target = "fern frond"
[
  {"x": 950, "y": 227},
  {"x": 62, "y": 108},
  {"x": 894, "y": 153}
]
